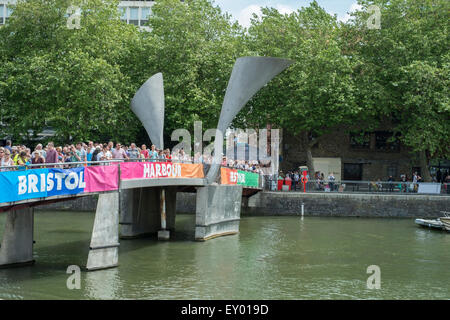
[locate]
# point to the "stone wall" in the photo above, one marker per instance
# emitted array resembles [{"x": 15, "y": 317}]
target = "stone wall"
[
  {"x": 320, "y": 204},
  {"x": 347, "y": 205}
]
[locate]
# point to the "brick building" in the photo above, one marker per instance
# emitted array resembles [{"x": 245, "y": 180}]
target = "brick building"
[{"x": 370, "y": 157}]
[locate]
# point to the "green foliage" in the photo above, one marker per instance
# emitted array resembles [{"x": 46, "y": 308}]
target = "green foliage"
[
  {"x": 195, "y": 46},
  {"x": 316, "y": 93},
  {"x": 73, "y": 80},
  {"x": 402, "y": 70}
]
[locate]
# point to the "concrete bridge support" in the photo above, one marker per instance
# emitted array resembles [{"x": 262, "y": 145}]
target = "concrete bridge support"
[
  {"x": 17, "y": 244},
  {"x": 140, "y": 211},
  {"x": 104, "y": 247},
  {"x": 218, "y": 211}
]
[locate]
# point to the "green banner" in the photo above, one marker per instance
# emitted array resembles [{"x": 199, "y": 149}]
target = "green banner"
[{"x": 248, "y": 179}]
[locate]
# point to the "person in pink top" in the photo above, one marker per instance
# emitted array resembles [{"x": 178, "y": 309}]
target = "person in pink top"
[{"x": 119, "y": 153}]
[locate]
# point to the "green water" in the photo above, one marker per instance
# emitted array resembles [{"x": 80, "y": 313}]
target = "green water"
[{"x": 271, "y": 258}]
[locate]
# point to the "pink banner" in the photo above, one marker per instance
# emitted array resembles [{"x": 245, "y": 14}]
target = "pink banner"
[{"x": 101, "y": 178}]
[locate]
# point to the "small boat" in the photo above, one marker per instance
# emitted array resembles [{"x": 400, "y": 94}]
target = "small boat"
[
  {"x": 446, "y": 222},
  {"x": 434, "y": 224}
]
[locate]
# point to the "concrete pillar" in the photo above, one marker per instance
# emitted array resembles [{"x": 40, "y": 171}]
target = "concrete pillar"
[
  {"x": 104, "y": 247},
  {"x": 17, "y": 243},
  {"x": 168, "y": 199},
  {"x": 218, "y": 211},
  {"x": 139, "y": 212},
  {"x": 171, "y": 207}
]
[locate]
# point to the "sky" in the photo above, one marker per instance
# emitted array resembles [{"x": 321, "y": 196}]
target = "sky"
[{"x": 242, "y": 10}]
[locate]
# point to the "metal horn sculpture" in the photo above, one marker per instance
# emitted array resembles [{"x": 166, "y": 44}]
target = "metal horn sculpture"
[
  {"x": 148, "y": 105},
  {"x": 249, "y": 75}
]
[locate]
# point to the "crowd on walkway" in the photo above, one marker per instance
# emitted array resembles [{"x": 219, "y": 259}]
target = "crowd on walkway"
[
  {"x": 21, "y": 155},
  {"x": 402, "y": 183}
]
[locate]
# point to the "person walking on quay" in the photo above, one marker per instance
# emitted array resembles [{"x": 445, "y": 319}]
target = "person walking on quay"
[
  {"x": 331, "y": 180},
  {"x": 416, "y": 179},
  {"x": 391, "y": 184},
  {"x": 296, "y": 180}
]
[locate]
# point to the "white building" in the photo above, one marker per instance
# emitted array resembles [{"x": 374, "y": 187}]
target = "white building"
[{"x": 133, "y": 12}]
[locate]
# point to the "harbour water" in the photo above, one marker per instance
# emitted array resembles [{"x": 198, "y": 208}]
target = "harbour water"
[{"x": 271, "y": 258}]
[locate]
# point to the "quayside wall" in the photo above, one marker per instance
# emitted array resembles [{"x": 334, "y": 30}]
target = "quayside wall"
[{"x": 315, "y": 204}]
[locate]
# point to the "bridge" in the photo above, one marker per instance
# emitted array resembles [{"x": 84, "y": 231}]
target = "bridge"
[
  {"x": 141, "y": 197},
  {"x": 135, "y": 199}
]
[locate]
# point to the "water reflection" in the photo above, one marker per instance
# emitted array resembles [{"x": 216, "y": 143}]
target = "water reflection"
[
  {"x": 271, "y": 258},
  {"x": 103, "y": 284}
]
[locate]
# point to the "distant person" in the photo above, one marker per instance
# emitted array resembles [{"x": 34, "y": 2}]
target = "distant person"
[
  {"x": 331, "y": 180},
  {"x": 391, "y": 184}
]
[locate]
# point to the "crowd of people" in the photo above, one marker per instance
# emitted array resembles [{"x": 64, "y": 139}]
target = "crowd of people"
[
  {"x": 403, "y": 183},
  {"x": 21, "y": 155}
]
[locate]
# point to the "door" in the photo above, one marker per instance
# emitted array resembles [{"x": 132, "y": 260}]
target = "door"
[{"x": 352, "y": 171}]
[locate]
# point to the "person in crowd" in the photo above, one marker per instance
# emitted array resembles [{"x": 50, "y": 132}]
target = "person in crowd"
[
  {"x": 153, "y": 154},
  {"x": 8, "y": 146},
  {"x": 111, "y": 146},
  {"x": 105, "y": 154},
  {"x": 6, "y": 161},
  {"x": 119, "y": 153},
  {"x": 96, "y": 152},
  {"x": 22, "y": 159},
  {"x": 133, "y": 152},
  {"x": 59, "y": 152},
  {"x": 81, "y": 153},
  {"x": 41, "y": 151},
  {"x": 51, "y": 154},
  {"x": 168, "y": 155},
  {"x": 144, "y": 151},
  {"x": 37, "y": 159}
]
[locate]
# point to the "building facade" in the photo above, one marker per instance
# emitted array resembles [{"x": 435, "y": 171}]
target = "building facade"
[
  {"x": 352, "y": 157},
  {"x": 132, "y": 12}
]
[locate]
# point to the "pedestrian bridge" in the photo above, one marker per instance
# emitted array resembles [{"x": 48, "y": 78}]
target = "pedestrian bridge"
[{"x": 135, "y": 199}]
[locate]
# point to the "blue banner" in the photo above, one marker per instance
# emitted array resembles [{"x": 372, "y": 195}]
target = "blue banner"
[{"x": 39, "y": 183}]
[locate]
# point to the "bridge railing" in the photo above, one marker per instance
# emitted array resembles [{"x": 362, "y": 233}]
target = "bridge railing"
[{"x": 350, "y": 186}]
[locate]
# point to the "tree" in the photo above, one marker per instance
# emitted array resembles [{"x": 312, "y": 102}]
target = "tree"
[
  {"x": 402, "y": 72},
  {"x": 316, "y": 93},
  {"x": 74, "y": 80},
  {"x": 195, "y": 46}
]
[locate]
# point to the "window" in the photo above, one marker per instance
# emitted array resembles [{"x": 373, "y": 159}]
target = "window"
[
  {"x": 145, "y": 13},
  {"x": 360, "y": 141},
  {"x": 123, "y": 13},
  {"x": 392, "y": 171},
  {"x": 134, "y": 16},
  {"x": 8, "y": 13},
  {"x": 2, "y": 8},
  {"x": 384, "y": 141}
]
